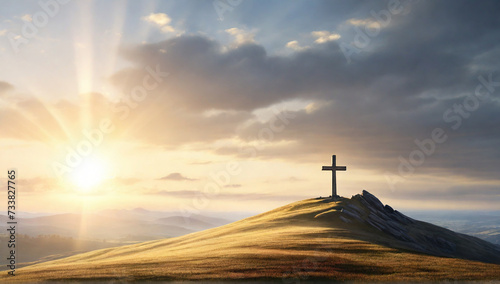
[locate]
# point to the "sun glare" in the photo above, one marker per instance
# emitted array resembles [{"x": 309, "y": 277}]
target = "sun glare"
[{"x": 90, "y": 174}]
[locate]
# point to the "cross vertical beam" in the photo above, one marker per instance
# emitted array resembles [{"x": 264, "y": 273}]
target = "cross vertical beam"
[
  {"x": 334, "y": 168},
  {"x": 334, "y": 176}
]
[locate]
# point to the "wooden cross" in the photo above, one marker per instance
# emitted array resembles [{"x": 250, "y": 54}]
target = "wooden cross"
[{"x": 334, "y": 168}]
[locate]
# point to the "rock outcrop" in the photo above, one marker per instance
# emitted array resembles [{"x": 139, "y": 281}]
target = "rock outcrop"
[
  {"x": 404, "y": 232},
  {"x": 381, "y": 217}
]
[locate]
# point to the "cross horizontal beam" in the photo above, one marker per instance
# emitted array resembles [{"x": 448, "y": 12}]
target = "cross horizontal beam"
[{"x": 329, "y": 168}]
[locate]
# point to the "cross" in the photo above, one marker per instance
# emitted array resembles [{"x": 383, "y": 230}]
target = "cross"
[{"x": 334, "y": 168}]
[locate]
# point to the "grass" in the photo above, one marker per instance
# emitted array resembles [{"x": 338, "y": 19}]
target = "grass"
[{"x": 286, "y": 243}]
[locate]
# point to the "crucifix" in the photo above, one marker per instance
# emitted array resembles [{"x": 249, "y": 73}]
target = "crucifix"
[{"x": 334, "y": 168}]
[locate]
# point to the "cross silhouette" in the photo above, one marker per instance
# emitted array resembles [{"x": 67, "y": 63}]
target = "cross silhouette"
[{"x": 334, "y": 168}]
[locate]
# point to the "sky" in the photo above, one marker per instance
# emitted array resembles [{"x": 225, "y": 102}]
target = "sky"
[{"x": 234, "y": 105}]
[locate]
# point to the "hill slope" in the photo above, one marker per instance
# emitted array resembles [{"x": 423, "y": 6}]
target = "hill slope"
[{"x": 350, "y": 239}]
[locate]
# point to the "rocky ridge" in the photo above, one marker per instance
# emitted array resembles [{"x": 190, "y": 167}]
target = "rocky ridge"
[{"x": 400, "y": 231}]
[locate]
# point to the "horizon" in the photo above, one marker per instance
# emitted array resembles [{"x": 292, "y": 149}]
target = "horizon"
[{"x": 194, "y": 106}]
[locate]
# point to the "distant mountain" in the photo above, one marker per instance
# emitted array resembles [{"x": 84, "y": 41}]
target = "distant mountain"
[
  {"x": 131, "y": 225},
  {"x": 194, "y": 222},
  {"x": 211, "y": 220},
  {"x": 356, "y": 239},
  {"x": 484, "y": 225},
  {"x": 187, "y": 222},
  {"x": 93, "y": 226},
  {"x": 136, "y": 213},
  {"x": 24, "y": 215},
  {"x": 3, "y": 219}
]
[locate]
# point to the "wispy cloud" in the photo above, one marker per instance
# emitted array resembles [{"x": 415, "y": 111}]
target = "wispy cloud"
[
  {"x": 161, "y": 20},
  {"x": 295, "y": 45},
  {"x": 4, "y": 86},
  {"x": 324, "y": 36},
  {"x": 241, "y": 36},
  {"x": 233, "y": 185},
  {"x": 27, "y": 18},
  {"x": 369, "y": 23},
  {"x": 177, "y": 177}
]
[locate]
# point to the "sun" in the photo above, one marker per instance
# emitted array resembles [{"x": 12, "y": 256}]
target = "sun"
[{"x": 89, "y": 174}]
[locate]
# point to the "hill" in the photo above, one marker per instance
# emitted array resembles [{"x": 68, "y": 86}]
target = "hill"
[{"x": 348, "y": 239}]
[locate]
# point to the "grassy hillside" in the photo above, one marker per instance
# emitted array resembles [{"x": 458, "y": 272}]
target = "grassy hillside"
[{"x": 303, "y": 240}]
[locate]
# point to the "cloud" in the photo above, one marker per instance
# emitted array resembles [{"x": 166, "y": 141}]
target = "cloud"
[
  {"x": 29, "y": 118},
  {"x": 40, "y": 185},
  {"x": 3, "y": 32},
  {"x": 161, "y": 20},
  {"x": 232, "y": 186},
  {"x": 368, "y": 23},
  {"x": 295, "y": 179},
  {"x": 27, "y": 18},
  {"x": 241, "y": 36},
  {"x": 4, "y": 87},
  {"x": 324, "y": 36},
  {"x": 177, "y": 177},
  {"x": 295, "y": 45}
]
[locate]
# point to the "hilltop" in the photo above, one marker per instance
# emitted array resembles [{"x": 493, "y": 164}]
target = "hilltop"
[{"x": 348, "y": 239}]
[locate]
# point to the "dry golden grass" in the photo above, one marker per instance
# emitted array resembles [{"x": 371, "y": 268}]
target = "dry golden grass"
[{"x": 288, "y": 243}]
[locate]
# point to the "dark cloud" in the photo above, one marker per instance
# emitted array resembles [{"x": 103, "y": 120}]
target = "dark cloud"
[
  {"x": 177, "y": 177},
  {"x": 4, "y": 87},
  {"x": 396, "y": 90}
]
